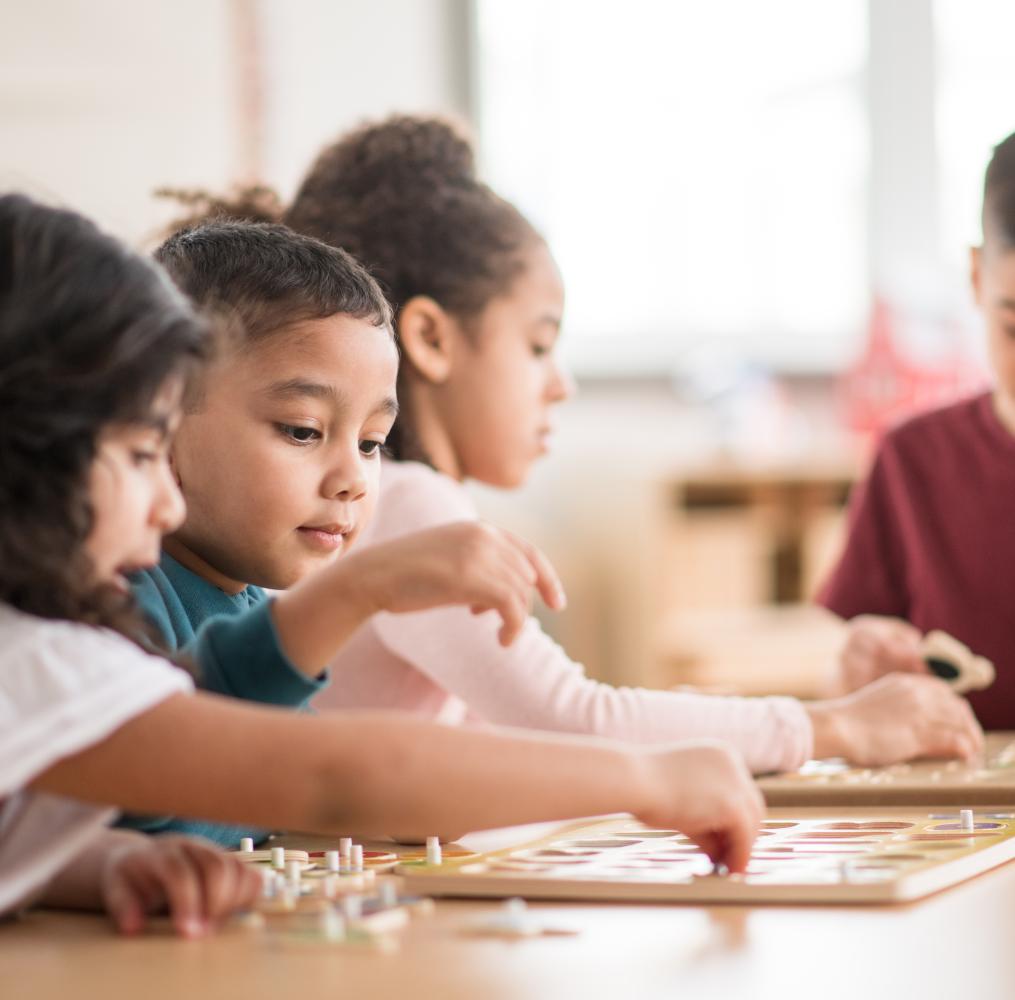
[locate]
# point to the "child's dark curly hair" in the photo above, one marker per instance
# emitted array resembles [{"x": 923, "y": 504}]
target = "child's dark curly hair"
[
  {"x": 263, "y": 278},
  {"x": 89, "y": 334},
  {"x": 254, "y": 203},
  {"x": 403, "y": 197},
  {"x": 999, "y": 196}
]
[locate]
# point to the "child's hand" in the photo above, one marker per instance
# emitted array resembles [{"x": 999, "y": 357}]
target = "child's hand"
[
  {"x": 899, "y": 717},
  {"x": 877, "y": 645},
  {"x": 469, "y": 563},
  {"x": 198, "y": 883},
  {"x": 704, "y": 790}
]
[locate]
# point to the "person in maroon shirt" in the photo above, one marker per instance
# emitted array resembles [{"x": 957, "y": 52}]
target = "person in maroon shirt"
[{"x": 932, "y": 530}]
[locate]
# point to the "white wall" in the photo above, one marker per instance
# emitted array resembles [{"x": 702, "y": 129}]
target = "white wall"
[
  {"x": 331, "y": 65},
  {"x": 105, "y": 100},
  {"x": 100, "y": 102}
]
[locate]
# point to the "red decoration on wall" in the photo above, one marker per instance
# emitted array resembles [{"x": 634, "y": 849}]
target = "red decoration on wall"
[{"x": 884, "y": 385}]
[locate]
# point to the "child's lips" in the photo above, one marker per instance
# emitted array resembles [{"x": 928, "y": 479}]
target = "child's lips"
[{"x": 326, "y": 537}]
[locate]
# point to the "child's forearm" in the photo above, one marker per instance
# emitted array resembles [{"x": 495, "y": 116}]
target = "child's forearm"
[
  {"x": 78, "y": 886},
  {"x": 463, "y": 563},
  {"x": 356, "y": 773},
  {"x": 315, "y": 618},
  {"x": 830, "y": 736},
  {"x": 422, "y": 778}
]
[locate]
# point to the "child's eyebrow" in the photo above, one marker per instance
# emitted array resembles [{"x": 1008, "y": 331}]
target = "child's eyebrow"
[
  {"x": 387, "y": 406},
  {"x": 295, "y": 387},
  {"x": 303, "y": 387},
  {"x": 1007, "y": 304}
]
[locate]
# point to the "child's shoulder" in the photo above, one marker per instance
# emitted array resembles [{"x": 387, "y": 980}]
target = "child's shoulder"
[
  {"x": 66, "y": 685},
  {"x": 413, "y": 496},
  {"x": 20, "y": 631},
  {"x": 953, "y": 424},
  {"x": 69, "y": 653},
  {"x": 422, "y": 495}
]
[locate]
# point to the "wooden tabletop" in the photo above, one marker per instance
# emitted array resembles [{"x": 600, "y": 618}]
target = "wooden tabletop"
[{"x": 959, "y": 943}]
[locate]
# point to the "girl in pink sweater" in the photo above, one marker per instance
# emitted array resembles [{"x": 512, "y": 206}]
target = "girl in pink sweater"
[{"x": 479, "y": 302}]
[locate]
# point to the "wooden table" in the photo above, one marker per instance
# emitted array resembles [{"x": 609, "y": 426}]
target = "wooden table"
[{"x": 960, "y": 943}]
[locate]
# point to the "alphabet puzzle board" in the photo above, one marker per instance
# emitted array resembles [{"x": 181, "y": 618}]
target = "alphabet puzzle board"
[
  {"x": 990, "y": 781},
  {"x": 849, "y": 856}
]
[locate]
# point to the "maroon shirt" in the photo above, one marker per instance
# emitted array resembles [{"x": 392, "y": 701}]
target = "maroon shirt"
[{"x": 932, "y": 540}]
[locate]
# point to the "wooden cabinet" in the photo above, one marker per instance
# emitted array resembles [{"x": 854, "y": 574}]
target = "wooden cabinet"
[{"x": 738, "y": 555}]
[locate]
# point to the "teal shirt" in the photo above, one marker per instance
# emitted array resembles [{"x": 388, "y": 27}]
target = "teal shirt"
[{"x": 233, "y": 642}]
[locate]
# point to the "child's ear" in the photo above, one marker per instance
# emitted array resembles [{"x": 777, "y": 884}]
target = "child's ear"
[
  {"x": 975, "y": 271},
  {"x": 425, "y": 337}
]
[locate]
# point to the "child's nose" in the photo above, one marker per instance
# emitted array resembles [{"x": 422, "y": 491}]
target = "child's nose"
[
  {"x": 345, "y": 480},
  {"x": 170, "y": 508},
  {"x": 562, "y": 386}
]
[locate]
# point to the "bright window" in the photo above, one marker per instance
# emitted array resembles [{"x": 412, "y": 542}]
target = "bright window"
[
  {"x": 975, "y": 108},
  {"x": 699, "y": 171}
]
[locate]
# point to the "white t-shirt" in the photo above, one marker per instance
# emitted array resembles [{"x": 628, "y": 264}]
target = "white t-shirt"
[{"x": 63, "y": 688}]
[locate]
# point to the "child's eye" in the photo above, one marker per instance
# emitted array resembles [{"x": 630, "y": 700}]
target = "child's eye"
[
  {"x": 141, "y": 457},
  {"x": 539, "y": 350},
  {"x": 298, "y": 434},
  {"x": 370, "y": 448}
]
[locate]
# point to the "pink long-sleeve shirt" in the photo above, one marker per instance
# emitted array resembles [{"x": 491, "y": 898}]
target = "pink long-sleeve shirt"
[{"x": 448, "y": 665}]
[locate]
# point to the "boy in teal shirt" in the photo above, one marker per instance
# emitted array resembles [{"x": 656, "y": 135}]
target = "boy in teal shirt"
[
  {"x": 303, "y": 397},
  {"x": 233, "y": 645},
  {"x": 242, "y": 657}
]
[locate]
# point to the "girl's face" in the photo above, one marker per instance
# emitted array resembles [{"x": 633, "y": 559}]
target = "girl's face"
[
  {"x": 279, "y": 465},
  {"x": 993, "y": 271},
  {"x": 495, "y": 406},
  {"x": 134, "y": 498}
]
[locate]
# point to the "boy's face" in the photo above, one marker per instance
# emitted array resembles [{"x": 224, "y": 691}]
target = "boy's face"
[
  {"x": 133, "y": 495},
  {"x": 993, "y": 276},
  {"x": 280, "y": 464}
]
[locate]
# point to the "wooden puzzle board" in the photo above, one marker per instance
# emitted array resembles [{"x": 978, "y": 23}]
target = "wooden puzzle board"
[
  {"x": 848, "y": 856},
  {"x": 821, "y": 783},
  {"x": 306, "y": 902}
]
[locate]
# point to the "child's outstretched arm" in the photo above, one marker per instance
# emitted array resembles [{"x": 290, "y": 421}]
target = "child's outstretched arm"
[
  {"x": 466, "y": 563},
  {"x": 373, "y": 773},
  {"x": 130, "y": 876},
  {"x": 899, "y": 717}
]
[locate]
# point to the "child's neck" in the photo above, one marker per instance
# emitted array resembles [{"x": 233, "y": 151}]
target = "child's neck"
[
  {"x": 173, "y": 546},
  {"x": 1004, "y": 407},
  {"x": 435, "y": 443}
]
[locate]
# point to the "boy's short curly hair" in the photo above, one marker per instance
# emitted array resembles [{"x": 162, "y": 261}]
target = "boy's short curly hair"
[{"x": 265, "y": 278}]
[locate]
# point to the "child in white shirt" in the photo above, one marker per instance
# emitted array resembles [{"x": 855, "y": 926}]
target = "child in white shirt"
[{"x": 95, "y": 352}]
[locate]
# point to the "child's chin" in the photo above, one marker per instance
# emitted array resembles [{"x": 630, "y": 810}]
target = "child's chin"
[
  {"x": 288, "y": 576},
  {"x": 115, "y": 584},
  {"x": 510, "y": 479}
]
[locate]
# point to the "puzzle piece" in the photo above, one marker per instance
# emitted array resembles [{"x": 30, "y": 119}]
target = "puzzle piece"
[
  {"x": 330, "y": 897},
  {"x": 955, "y": 662}
]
